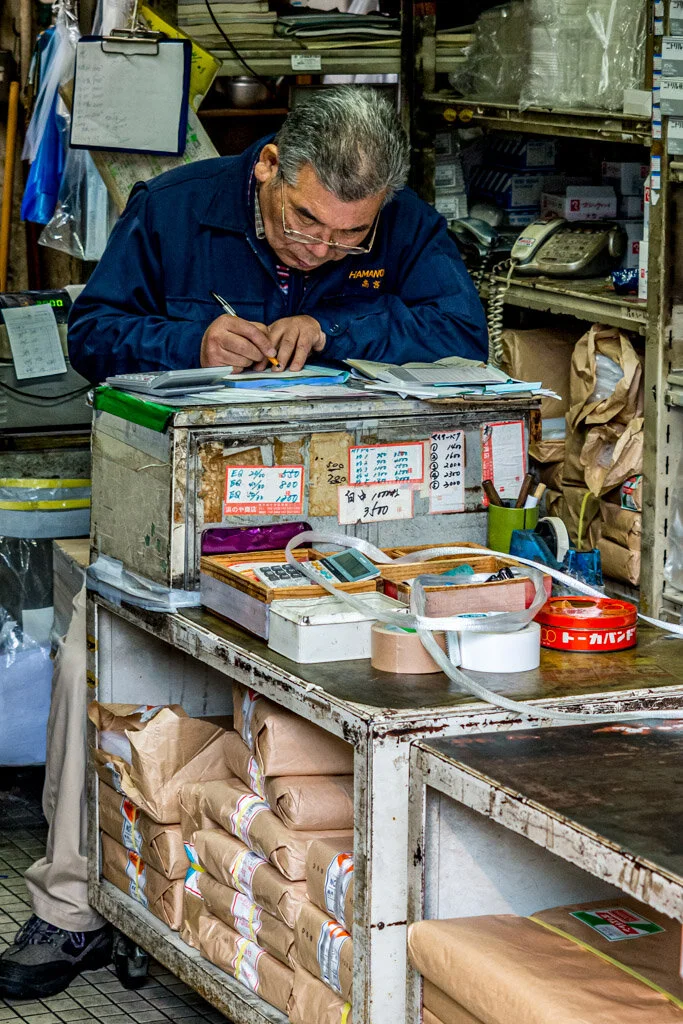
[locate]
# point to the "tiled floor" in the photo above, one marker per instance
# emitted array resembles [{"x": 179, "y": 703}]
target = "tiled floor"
[{"x": 98, "y": 995}]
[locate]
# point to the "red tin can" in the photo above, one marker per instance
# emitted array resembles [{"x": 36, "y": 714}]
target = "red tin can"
[{"x": 588, "y": 624}]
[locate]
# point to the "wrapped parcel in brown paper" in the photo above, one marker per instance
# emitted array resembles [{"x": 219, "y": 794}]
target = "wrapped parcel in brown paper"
[
  {"x": 160, "y": 846},
  {"x": 505, "y": 968},
  {"x": 302, "y": 802},
  {"x": 247, "y": 918},
  {"x": 329, "y": 878},
  {"x": 625, "y": 402},
  {"x": 325, "y": 949},
  {"x": 247, "y": 816},
  {"x": 612, "y": 453},
  {"x": 284, "y": 743},
  {"x": 438, "y": 1008},
  {"x": 128, "y": 717},
  {"x": 169, "y": 752},
  {"x": 315, "y": 1003},
  {"x": 126, "y": 870},
  {"x": 229, "y": 861},
  {"x": 246, "y": 962}
]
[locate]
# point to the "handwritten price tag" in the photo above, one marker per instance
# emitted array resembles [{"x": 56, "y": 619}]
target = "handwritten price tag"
[
  {"x": 387, "y": 463},
  {"x": 447, "y": 472},
  {"x": 378, "y": 503},
  {"x": 264, "y": 490}
]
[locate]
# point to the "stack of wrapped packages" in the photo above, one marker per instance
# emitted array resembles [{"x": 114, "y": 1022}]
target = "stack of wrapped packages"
[
  {"x": 145, "y": 755},
  {"x": 248, "y": 837},
  {"x": 564, "y": 964}
]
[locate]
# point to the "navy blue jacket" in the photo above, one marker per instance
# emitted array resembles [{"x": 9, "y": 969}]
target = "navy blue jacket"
[{"x": 147, "y": 304}]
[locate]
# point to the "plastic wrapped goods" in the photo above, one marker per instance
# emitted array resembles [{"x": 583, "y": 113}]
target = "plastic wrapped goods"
[{"x": 496, "y": 60}]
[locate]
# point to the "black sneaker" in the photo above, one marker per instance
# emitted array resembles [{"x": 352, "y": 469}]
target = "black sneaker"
[{"x": 45, "y": 960}]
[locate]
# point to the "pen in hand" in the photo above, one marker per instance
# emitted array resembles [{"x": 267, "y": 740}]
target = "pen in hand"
[{"x": 227, "y": 308}]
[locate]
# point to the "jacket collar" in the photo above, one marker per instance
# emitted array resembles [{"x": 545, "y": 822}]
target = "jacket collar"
[{"x": 230, "y": 206}]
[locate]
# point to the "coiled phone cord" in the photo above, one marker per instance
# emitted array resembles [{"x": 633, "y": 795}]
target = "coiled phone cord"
[{"x": 496, "y": 309}]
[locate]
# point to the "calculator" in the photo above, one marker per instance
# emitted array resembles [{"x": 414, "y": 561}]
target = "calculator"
[
  {"x": 169, "y": 382},
  {"x": 282, "y": 574}
]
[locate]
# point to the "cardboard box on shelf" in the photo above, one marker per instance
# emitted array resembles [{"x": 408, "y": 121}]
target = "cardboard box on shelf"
[
  {"x": 545, "y": 977},
  {"x": 546, "y": 355},
  {"x": 329, "y": 878},
  {"x": 312, "y": 1001},
  {"x": 248, "y": 919},
  {"x": 581, "y": 202},
  {"x": 284, "y": 743},
  {"x": 325, "y": 949},
  {"x": 160, "y": 846},
  {"x": 451, "y": 203},
  {"x": 244, "y": 961},
  {"x": 228, "y": 860},
  {"x": 520, "y": 152},
  {"x": 448, "y": 173},
  {"x": 445, "y": 143},
  {"x": 627, "y": 177},
  {"x": 632, "y": 208},
  {"x": 126, "y": 870}
]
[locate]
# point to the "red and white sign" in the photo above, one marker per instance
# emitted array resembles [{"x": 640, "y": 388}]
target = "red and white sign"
[{"x": 264, "y": 490}]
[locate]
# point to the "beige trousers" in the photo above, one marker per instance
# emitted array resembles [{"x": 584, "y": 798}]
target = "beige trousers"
[{"x": 58, "y": 882}]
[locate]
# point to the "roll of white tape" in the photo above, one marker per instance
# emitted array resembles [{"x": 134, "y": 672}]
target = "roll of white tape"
[{"x": 501, "y": 652}]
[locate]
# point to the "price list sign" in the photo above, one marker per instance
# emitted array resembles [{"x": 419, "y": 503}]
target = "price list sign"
[
  {"x": 387, "y": 463},
  {"x": 264, "y": 490},
  {"x": 447, "y": 472}
]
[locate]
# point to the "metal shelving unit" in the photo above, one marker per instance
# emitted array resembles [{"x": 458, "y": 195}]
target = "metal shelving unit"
[{"x": 432, "y": 110}]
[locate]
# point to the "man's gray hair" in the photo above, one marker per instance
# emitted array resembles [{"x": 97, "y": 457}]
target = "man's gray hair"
[{"x": 353, "y": 139}]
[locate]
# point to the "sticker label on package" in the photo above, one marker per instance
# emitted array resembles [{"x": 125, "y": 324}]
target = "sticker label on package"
[
  {"x": 245, "y": 963},
  {"x": 248, "y": 701},
  {"x": 148, "y": 711},
  {"x": 248, "y": 806},
  {"x": 379, "y": 503},
  {"x": 242, "y": 871},
  {"x": 330, "y": 941},
  {"x": 135, "y": 870},
  {"x": 256, "y": 777},
  {"x": 503, "y": 457},
  {"x": 387, "y": 463},
  {"x": 337, "y": 880},
  {"x": 447, "y": 472},
  {"x": 264, "y": 490},
  {"x": 617, "y": 923},
  {"x": 247, "y": 916},
  {"x": 191, "y": 883},
  {"x": 130, "y": 837}
]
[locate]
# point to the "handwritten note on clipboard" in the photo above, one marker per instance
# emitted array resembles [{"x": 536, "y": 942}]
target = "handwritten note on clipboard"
[{"x": 131, "y": 96}]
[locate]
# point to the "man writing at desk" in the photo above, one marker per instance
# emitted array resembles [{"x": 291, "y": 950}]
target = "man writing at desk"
[{"x": 324, "y": 256}]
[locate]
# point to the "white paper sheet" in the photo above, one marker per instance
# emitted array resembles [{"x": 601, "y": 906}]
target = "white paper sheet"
[
  {"x": 34, "y": 341},
  {"x": 447, "y": 472}
]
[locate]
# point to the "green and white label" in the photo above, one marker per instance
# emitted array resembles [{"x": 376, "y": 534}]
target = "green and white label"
[{"x": 616, "y": 923}]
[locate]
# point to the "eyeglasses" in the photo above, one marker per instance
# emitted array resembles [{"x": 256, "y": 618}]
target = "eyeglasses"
[{"x": 302, "y": 239}]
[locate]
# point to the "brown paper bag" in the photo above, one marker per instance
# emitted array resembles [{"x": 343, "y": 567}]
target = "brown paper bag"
[
  {"x": 620, "y": 563},
  {"x": 551, "y": 475},
  {"x": 554, "y": 503},
  {"x": 128, "y": 872},
  {"x": 193, "y": 908},
  {"x": 626, "y": 402},
  {"x": 244, "y": 961},
  {"x": 612, "y": 453},
  {"x": 127, "y": 717},
  {"x": 325, "y": 949},
  {"x": 247, "y": 816},
  {"x": 314, "y": 1003},
  {"x": 160, "y": 846},
  {"x": 284, "y": 743},
  {"x": 439, "y": 1007},
  {"x": 169, "y": 753},
  {"x": 329, "y": 878},
  {"x": 247, "y": 918},
  {"x": 540, "y": 977},
  {"x": 544, "y": 355},
  {"x": 229, "y": 861},
  {"x": 621, "y": 526},
  {"x": 573, "y": 473},
  {"x": 302, "y": 802}
]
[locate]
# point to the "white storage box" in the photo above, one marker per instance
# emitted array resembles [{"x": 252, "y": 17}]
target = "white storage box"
[
  {"x": 672, "y": 56},
  {"x": 671, "y": 97},
  {"x": 451, "y": 204},
  {"x": 325, "y": 629},
  {"x": 582, "y": 202},
  {"x": 627, "y": 178}
]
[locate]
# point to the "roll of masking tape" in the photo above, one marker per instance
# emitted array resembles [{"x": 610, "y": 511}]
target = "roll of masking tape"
[
  {"x": 401, "y": 651},
  {"x": 501, "y": 652}
]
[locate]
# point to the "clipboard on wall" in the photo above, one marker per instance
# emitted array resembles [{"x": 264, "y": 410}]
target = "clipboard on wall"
[{"x": 131, "y": 93}]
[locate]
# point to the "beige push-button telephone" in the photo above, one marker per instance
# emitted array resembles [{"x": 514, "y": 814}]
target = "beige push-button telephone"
[{"x": 559, "y": 248}]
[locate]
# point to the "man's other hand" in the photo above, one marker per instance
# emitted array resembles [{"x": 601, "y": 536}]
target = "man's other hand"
[
  {"x": 242, "y": 344},
  {"x": 295, "y": 337}
]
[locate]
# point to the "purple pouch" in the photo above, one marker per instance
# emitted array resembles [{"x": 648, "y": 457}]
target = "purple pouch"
[{"x": 236, "y": 539}]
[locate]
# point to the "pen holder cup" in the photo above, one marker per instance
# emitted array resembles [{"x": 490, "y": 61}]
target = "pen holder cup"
[{"x": 502, "y": 521}]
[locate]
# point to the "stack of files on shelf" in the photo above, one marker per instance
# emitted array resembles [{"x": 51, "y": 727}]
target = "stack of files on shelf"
[
  {"x": 331, "y": 25},
  {"x": 451, "y": 47},
  {"x": 449, "y": 378},
  {"x": 241, "y": 20}
]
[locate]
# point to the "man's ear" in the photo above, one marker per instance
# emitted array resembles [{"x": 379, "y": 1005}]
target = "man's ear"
[{"x": 268, "y": 164}]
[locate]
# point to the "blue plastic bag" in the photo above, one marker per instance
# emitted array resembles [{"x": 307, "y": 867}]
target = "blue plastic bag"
[{"x": 45, "y": 174}]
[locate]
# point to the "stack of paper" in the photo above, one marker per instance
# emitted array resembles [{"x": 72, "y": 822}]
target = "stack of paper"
[
  {"x": 239, "y": 19},
  {"x": 448, "y": 378}
]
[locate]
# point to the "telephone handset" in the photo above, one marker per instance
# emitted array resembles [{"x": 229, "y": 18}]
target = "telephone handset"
[{"x": 559, "y": 248}]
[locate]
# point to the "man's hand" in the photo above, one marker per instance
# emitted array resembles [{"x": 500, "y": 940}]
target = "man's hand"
[
  {"x": 295, "y": 337},
  {"x": 231, "y": 341}
]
